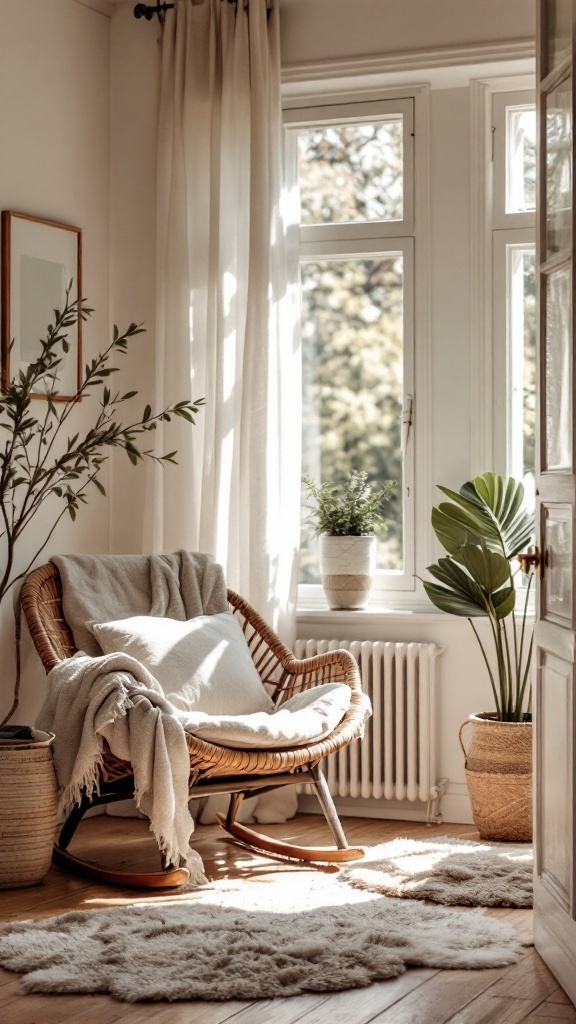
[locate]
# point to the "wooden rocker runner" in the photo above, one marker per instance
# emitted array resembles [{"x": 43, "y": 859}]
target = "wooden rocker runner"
[{"x": 213, "y": 769}]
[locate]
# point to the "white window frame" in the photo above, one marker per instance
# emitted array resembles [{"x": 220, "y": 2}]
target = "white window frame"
[
  {"x": 506, "y": 243},
  {"x": 492, "y": 231},
  {"x": 510, "y": 232},
  {"x": 371, "y": 239}
]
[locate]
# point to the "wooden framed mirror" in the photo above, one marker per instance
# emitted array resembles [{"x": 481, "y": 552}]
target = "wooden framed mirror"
[{"x": 40, "y": 258}]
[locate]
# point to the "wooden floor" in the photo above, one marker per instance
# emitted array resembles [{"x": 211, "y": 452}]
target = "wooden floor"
[{"x": 525, "y": 992}]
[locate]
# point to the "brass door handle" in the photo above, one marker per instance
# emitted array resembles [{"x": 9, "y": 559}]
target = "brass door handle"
[{"x": 533, "y": 558}]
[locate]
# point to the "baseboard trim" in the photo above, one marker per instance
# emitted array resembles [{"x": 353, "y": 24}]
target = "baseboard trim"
[{"x": 454, "y": 808}]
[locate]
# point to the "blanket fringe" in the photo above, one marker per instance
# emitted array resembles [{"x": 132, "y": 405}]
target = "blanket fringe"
[
  {"x": 174, "y": 852},
  {"x": 88, "y": 782}
]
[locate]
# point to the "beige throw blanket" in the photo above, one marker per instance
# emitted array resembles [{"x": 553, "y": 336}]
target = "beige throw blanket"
[
  {"x": 112, "y": 697},
  {"x": 103, "y": 588}
]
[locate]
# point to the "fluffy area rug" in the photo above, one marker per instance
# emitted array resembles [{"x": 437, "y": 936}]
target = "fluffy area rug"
[
  {"x": 250, "y": 941},
  {"x": 448, "y": 871}
]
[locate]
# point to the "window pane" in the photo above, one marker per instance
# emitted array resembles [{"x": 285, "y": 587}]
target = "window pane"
[
  {"x": 351, "y": 173},
  {"x": 520, "y": 159},
  {"x": 522, "y": 321},
  {"x": 352, "y": 338}
]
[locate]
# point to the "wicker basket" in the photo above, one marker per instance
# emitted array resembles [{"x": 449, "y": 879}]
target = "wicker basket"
[
  {"x": 499, "y": 777},
  {"x": 28, "y": 807}
]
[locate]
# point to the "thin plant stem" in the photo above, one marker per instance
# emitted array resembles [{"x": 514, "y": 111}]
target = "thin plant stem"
[
  {"x": 487, "y": 663},
  {"x": 526, "y": 676},
  {"x": 524, "y": 613},
  {"x": 508, "y": 667},
  {"x": 502, "y": 681},
  {"x": 516, "y": 660}
]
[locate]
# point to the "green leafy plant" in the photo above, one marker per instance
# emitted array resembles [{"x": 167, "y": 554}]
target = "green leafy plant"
[
  {"x": 351, "y": 509},
  {"x": 42, "y": 462},
  {"x": 483, "y": 527}
]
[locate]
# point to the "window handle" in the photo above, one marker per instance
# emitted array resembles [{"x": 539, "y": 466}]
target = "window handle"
[{"x": 406, "y": 423}]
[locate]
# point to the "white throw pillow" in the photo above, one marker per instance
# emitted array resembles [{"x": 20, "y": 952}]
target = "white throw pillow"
[
  {"x": 202, "y": 664},
  {"x": 305, "y": 718}
]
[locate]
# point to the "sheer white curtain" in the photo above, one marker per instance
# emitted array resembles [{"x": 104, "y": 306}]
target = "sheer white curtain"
[{"x": 226, "y": 323}]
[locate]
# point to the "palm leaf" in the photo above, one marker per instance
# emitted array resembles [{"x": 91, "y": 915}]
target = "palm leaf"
[
  {"x": 493, "y": 508},
  {"x": 451, "y": 602},
  {"x": 504, "y": 602},
  {"x": 489, "y": 569},
  {"x": 461, "y": 585}
]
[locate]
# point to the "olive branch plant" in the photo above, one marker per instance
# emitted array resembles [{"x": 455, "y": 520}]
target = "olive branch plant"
[{"x": 38, "y": 462}]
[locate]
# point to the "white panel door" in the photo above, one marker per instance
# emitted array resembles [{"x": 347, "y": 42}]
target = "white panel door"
[{"x": 555, "y": 680}]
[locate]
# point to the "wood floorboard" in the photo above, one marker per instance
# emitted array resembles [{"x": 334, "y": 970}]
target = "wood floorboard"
[
  {"x": 440, "y": 1000},
  {"x": 356, "y": 1006},
  {"x": 523, "y": 993},
  {"x": 554, "y": 1011}
]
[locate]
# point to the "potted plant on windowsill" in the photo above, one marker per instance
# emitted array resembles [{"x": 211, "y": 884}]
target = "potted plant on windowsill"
[
  {"x": 483, "y": 527},
  {"x": 346, "y": 517},
  {"x": 47, "y": 463}
]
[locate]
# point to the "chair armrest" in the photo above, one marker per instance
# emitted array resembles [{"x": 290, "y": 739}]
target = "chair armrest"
[{"x": 279, "y": 670}]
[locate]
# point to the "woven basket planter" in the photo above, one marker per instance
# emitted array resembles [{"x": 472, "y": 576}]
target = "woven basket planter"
[
  {"x": 28, "y": 807},
  {"x": 499, "y": 777}
]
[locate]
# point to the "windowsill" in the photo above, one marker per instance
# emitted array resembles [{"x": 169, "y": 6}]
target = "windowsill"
[
  {"x": 371, "y": 614},
  {"x": 374, "y": 612}
]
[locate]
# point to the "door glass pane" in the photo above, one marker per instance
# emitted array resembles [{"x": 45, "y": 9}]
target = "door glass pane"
[
  {"x": 559, "y": 168},
  {"x": 351, "y": 173},
  {"x": 557, "y": 382},
  {"x": 558, "y": 579},
  {"x": 352, "y": 342},
  {"x": 521, "y": 272},
  {"x": 557, "y": 32}
]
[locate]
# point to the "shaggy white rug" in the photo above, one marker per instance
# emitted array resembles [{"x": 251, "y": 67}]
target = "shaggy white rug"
[
  {"x": 250, "y": 941},
  {"x": 448, "y": 871}
]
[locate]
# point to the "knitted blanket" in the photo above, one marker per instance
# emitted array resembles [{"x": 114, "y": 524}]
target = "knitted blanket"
[{"x": 94, "y": 698}]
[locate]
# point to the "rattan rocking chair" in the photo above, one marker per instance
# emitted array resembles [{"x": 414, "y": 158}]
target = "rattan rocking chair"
[{"x": 213, "y": 769}]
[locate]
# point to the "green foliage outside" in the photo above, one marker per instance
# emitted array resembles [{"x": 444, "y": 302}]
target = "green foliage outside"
[
  {"x": 353, "y": 371},
  {"x": 351, "y": 173}
]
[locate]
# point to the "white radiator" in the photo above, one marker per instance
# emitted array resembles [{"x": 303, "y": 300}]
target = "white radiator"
[{"x": 397, "y": 758}]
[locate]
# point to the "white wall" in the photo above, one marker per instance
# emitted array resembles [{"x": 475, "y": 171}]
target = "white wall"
[
  {"x": 316, "y": 30},
  {"x": 135, "y": 65},
  {"x": 54, "y": 163}
]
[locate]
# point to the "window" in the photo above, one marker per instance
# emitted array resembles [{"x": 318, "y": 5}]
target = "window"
[
  {"x": 354, "y": 167},
  {"x": 514, "y": 282}
]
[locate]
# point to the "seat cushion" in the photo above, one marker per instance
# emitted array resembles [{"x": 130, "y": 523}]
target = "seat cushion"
[
  {"x": 202, "y": 663},
  {"x": 305, "y": 718}
]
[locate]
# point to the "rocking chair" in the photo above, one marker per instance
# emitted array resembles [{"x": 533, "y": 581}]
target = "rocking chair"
[{"x": 213, "y": 769}]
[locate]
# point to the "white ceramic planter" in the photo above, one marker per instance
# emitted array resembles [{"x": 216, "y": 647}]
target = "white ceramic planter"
[{"x": 347, "y": 565}]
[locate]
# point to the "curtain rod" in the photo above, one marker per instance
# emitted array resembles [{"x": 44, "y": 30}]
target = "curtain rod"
[{"x": 148, "y": 12}]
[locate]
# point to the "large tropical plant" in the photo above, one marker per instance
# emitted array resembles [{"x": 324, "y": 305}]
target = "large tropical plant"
[
  {"x": 45, "y": 461},
  {"x": 482, "y": 528}
]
